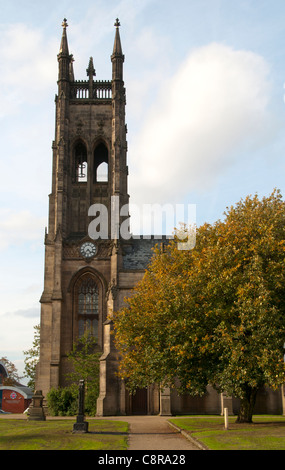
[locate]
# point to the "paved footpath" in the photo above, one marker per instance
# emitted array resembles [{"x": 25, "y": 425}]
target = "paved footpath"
[
  {"x": 145, "y": 432},
  {"x": 154, "y": 433}
]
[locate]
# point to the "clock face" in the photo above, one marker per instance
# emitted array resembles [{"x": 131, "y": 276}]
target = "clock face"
[{"x": 88, "y": 250}]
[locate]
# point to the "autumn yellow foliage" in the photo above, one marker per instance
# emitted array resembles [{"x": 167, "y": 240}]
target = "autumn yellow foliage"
[{"x": 213, "y": 314}]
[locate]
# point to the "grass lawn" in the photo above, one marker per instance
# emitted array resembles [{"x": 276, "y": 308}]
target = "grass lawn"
[
  {"x": 266, "y": 433},
  {"x": 57, "y": 435}
]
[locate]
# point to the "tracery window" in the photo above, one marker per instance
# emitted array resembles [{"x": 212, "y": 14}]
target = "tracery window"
[
  {"x": 80, "y": 163},
  {"x": 88, "y": 307}
]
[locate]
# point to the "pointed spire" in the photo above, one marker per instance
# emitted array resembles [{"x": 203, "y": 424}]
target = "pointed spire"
[
  {"x": 117, "y": 57},
  {"x": 91, "y": 73},
  {"x": 65, "y": 71},
  {"x": 64, "y": 44},
  {"x": 90, "y": 70},
  {"x": 117, "y": 50}
]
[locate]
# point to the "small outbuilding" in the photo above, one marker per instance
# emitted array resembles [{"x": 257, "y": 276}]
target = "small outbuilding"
[{"x": 14, "y": 398}]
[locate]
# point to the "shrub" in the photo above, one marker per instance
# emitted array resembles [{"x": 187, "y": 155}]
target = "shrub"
[{"x": 62, "y": 401}]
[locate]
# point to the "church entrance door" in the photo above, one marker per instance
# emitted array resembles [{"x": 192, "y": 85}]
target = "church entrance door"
[{"x": 137, "y": 402}]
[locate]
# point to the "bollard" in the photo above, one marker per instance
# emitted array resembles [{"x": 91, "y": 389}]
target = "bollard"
[{"x": 226, "y": 418}]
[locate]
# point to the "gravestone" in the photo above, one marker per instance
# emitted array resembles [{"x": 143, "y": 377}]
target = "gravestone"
[
  {"x": 36, "y": 411},
  {"x": 81, "y": 426}
]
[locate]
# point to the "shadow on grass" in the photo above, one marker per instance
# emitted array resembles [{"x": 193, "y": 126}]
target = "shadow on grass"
[
  {"x": 58, "y": 435},
  {"x": 108, "y": 433}
]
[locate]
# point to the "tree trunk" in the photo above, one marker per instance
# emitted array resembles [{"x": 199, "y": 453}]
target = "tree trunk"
[{"x": 247, "y": 405}]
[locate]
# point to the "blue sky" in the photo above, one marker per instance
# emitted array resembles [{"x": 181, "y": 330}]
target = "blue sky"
[{"x": 205, "y": 115}]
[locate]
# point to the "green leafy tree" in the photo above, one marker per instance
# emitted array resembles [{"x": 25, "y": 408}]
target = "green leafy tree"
[
  {"x": 84, "y": 361},
  {"x": 214, "y": 314},
  {"x": 32, "y": 358},
  {"x": 84, "y": 364}
]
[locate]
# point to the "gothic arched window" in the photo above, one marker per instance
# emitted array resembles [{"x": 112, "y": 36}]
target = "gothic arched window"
[
  {"x": 102, "y": 172},
  {"x": 80, "y": 163},
  {"x": 101, "y": 163},
  {"x": 87, "y": 300}
]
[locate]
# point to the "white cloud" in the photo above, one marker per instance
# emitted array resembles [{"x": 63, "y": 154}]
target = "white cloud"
[
  {"x": 17, "y": 228},
  {"x": 146, "y": 69},
  {"x": 28, "y": 65},
  {"x": 32, "y": 312},
  {"x": 214, "y": 105}
]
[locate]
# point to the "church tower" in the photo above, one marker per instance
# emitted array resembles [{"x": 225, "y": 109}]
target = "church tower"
[
  {"x": 81, "y": 278},
  {"x": 90, "y": 267}
]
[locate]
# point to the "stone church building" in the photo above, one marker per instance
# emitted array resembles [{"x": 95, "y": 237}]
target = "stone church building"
[{"x": 85, "y": 278}]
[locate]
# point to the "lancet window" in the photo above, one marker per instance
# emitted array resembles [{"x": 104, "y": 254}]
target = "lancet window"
[
  {"x": 80, "y": 163},
  {"x": 101, "y": 163},
  {"x": 88, "y": 307}
]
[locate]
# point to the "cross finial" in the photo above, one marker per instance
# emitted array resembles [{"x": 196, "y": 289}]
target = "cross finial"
[
  {"x": 117, "y": 23},
  {"x": 64, "y": 23}
]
